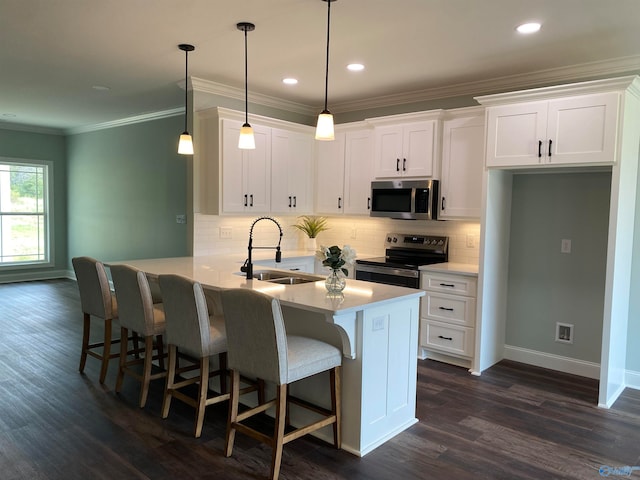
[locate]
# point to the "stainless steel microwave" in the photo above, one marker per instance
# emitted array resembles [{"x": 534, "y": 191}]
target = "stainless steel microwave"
[{"x": 405, "y": 199}]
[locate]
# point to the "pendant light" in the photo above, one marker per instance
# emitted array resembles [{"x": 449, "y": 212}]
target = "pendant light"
[
  {"x": 246, "y": 140},
  {"x": 185, "y": 145},
  {"x": 324, "y": 128}
]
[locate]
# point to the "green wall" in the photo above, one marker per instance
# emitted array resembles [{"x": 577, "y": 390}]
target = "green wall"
[
  {"x": 126, "y": 186},
  {"x": 51, "y": 147},
  {"x": 546, "y": 286}
]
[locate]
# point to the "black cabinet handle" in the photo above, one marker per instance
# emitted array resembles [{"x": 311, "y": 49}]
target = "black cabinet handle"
[
  {"x": 539, "y": 148},
  {"x": 295, "y": 202},
  {"x": 339, "y": 202},
  {"x": 397, "y": 164},
  {"x": 447, "y": 285},
  {"x": 245, "y": 200},
  {"x": 251, "y": 200},
  {"x": 289, "y": 201},
  {"x": 404, "y": 164},
  {"x": 550, "y": 141},
  {"x": 446, "y": 308},
  {"x": 445, "y": 338},
  {"x": 444, "y": 200},
  {"x": 368, "y": 203}
]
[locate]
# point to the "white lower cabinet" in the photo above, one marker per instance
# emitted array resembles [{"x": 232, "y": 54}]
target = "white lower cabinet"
[{"x": 447, "y": 317}]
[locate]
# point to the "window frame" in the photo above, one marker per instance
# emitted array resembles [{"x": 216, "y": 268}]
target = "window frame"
[{"x": 48, "y": 223}]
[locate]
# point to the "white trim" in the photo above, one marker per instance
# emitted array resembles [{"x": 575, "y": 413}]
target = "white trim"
[
  {"x": 612, "y": 398},
  {"x": 552, "y": 362},
  {"x": 145, "y": 117},
  {"x": 206, "y": 86},
  {"x": 31, "y": 276},
  {"x": 21, "y": 127},
  {"x": 632, "y": 379}
]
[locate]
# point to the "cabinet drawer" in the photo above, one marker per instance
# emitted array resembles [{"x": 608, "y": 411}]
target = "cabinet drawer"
[
  {"x": 448, "y": 308},
  {"x": 457, "y": 284},
  {"x": 447, "y": 338}
]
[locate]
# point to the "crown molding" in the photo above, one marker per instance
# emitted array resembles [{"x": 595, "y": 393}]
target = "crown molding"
[
  {"x": 21, "y": 127},
  {"x": 213, "y": 88},
  {"x": 145, "y": 117},
  {"x": 610, "y": 67}
]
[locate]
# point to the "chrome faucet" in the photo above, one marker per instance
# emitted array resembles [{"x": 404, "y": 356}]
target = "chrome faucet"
[{"x": 248, "y": 266}]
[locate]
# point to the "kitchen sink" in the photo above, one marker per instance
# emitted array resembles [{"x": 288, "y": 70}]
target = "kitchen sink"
[{"x": 285, "y": 278}]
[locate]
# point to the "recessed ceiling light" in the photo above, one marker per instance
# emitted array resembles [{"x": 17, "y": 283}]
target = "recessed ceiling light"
[
  {"x": 100, "y": 88},
  {"x": 531, "y": 27},
  {"x": 289, "y": 81},
  {"x": 355, "y": 67},
  {"x": 9, "y": 115}
]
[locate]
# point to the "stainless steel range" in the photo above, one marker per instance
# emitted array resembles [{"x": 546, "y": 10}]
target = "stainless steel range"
[{"x": 404, "y": 254}]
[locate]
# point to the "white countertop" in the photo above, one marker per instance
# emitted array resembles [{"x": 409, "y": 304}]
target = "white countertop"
[
  {"x": 457, "y": 268},
  {"x": 223, "y": 271}
]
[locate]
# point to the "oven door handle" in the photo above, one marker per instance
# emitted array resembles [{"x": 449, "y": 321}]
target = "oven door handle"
[{"x": 399, "y": 272}]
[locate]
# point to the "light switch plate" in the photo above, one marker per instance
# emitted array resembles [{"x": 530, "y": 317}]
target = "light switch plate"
[
  {"x": 565, "y": 246},
  {"x": 181, "y": 219}
]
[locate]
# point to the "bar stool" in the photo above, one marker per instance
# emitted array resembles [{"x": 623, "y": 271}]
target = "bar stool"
[
  {"x": 97, "y": 301},
  {"x": 195, "y": 335},
  {"x": 258, "y": 345},
  {"x": 138, "y": 313}
]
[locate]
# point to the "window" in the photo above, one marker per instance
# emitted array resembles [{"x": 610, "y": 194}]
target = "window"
[{"x": 24, "y": 212}]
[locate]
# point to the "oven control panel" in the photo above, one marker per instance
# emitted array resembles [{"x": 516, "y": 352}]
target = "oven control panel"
[{"x": 418, "y": 242}]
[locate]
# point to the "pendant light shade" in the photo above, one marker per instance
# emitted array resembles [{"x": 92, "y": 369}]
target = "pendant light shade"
[
  {"x": 246, "y": 141},
  {"x": 324, "y": 128},
  {"x": 185, "y": 145}
]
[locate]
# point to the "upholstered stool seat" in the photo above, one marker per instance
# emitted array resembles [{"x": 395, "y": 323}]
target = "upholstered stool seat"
[
  {"x": 139, "y": 314},
  {"x": 257, "y": 345}
]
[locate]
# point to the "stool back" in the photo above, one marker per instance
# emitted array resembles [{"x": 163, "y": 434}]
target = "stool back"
[{"x": 93, "y": 284}]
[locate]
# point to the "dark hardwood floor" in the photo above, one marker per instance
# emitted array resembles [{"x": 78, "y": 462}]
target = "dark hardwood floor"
[{"x": 513, "y": 422}]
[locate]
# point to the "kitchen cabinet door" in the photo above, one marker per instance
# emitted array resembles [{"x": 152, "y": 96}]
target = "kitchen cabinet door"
[
  {"x": 291, "y": 172},
  {"x": 582, "y": 129},
  {"x": 514, "y": 133},
  {"x": 405, "y": 150},
  {"x": 358, "y": 172},
  {"x": 462, "y": 167},
  {"x": 329, "y": 177},
  {"x": 246, "y": 174}
]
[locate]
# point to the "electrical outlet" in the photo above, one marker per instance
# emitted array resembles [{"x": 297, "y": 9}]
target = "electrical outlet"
[
  {"x": 565, "y": 246},
  {"x": 226, "y": 232},
  {"x": 353, "y": 233},
  {"x": 181, "y": 219},
  {"x": 564, "y": 332},
  {"x": 471, "y": 241},
  {"x": 378, "y": 323}
]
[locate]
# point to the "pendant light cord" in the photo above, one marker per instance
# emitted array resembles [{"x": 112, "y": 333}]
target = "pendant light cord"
[
  {"x": 246, "y": 80},
  {"x": 186, "y": 87},
  {"x": 326, "y": 76}
]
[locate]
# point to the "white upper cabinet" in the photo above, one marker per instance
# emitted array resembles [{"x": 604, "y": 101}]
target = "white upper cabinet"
[
  {"x": 573, "y": 130},
  {"x": 246, "y": 174},
  {"x": 344, "y": 172},
  {"x": 462, "y": 165},
  {"x": 406, "y": 149},
  {"x": 291, "y": 172}
]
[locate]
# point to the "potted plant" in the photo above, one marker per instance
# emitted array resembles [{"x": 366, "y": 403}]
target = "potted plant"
[{"x": 311, "y": 226}]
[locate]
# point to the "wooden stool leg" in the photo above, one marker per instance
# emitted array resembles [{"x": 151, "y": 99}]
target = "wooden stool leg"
[
  {"x": 222, "y": 359},
  {"x": 233, "y": 412},
  {"x": 146, "y": 373},
  {"x": 171, "y": 374},
  {"x": 336, "y": 405},
  {"x": 160, "y": 348},
  {"x": 124, "y": 345},
  {"x": 281, "y": 407},
  {"x": 202, "y": 395},
  {"x": 86, "y": 327},
  {"x": 106, "y": 352}
]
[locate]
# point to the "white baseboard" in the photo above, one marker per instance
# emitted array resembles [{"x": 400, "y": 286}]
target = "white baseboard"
[
  {"x": 632, "y": 379},
  {"x": 31, "y": 276},
  {"x": 553, "y": 362}
]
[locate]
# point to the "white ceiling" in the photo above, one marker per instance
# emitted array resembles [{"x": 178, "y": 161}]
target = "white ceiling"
[{"x": 52, "y": 52}]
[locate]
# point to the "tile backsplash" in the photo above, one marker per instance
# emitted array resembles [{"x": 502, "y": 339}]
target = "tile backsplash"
[{"x": 366, "y": 235}]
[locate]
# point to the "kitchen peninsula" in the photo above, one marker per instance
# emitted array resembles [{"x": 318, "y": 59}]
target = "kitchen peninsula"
[{"x": 375, "y": 325}]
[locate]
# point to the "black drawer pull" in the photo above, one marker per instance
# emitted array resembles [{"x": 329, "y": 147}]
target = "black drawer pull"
[
  {"x": 550, "y": 141},
  {"x": 447, "y": 285},
  {"x": 397, "y": 164},
  {"x": 446, "y": 308},
  {"x": 404, "y": 164},
  {"x": 445, "y": 338},
  {"x": 539, "y": 148}
]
